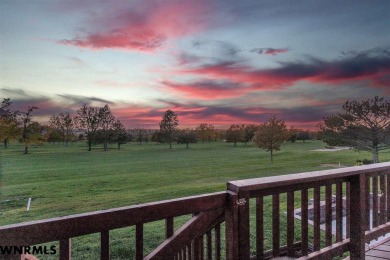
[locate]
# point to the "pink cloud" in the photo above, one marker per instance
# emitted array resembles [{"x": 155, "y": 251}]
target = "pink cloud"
[
  {"x": 259, "y": 79},
  {"x": 208, "y": 90},
  {"x": 145, "y": 27},
  {"x": 372, "y": 67}
]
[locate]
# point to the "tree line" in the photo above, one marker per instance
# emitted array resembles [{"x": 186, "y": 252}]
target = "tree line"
[
  {"x": 97, "y": 125},
  {"x": 363, "y": 125}
]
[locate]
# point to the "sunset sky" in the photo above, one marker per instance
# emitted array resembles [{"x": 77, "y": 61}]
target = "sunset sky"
[{"x": 216, "y": 61}]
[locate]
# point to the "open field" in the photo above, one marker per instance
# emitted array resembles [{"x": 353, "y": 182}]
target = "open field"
[{"x": 68, "y": 180}]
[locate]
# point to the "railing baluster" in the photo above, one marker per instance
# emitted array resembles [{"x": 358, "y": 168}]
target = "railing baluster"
[
  {"x": 383, "y": 199},
  {"x": 388, "y": 196},
  {"x": 259, "y": 227},
  {"x": 169, "y": 227},
  {"x": 290, "y": 223},
  {"x": 218, "y": 242},
  {"x": 339, "y": 212},
  {"x": 375, "y": 201},
  {"x": 368, "y": 202},
  {"x": 201, "y": 248},
  {"x": 139, "y": 242},
  {"x": 328, "y": 215},
  {"x": 317, "y": 217},
  {"x": 190, "y": 251},
  {"x": 275, "y": 225},
  {"x": 196, "y": 249},
  {"x": 65, "y": 249},
  {"x": 105, "y": 245},
  {"x": 209, "y": 245},
  {"x": 347, "y": 209},
  {"x": 304, "y": 222}
]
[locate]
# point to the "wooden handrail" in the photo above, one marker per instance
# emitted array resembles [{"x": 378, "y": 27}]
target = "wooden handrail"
[
  {"x": 53, "y": 229},
  {"x": 273, "y": 182}
]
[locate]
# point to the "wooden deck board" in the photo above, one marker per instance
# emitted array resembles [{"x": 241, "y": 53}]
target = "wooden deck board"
[{"x": 380, "y": 251}]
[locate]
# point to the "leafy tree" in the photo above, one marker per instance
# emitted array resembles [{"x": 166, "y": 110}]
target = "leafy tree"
[
  {"x": 363, "y": 125},
  {"x": 211, "y": 133},
  {"x": 332, "y": 130},
  {"x": 157, "y": 137},
  {"x": 54, "y": 135},
  {"x": 168, "y": 126},
  {"x": 219, "y": 134},
  {"x": 303, "y": 135},
  {"x": 30, "y": 130},
  {"x": 8, "y": 122},
  {"x": 106, "y": 120},
  {"x": 271, "y": 134},
  {"x": 205, "y": 132},
  {"x": 249, "y": 133},
  {"x": 64, "y": 124},
  {"x": 88, "y": 120},
  {"x": 119, "y": 135},
  {"x": 186, "y": 136},
  {"x": 293, "y": 134},
  {"x": 235, "y": 134},
  {"x": 140, "y": 135}
]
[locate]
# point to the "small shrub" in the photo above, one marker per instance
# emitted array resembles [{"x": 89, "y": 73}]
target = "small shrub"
[{"x": 363, "y": 162}]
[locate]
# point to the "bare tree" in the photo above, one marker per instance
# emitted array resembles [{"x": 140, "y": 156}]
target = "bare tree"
[
  {"x": 8, "y": 122},
  {"x": 29, "y": 130},
  {"x": 88, "y": 119},
  {"x": 64, "y": 124}
]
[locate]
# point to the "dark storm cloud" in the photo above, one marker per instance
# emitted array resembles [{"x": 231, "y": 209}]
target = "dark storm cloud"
[
  {"x": 21, "y": 100},
  {"x": 80, "y": 100},
  {"x": 372, "y": 66},
  {"x": 48, "y": 106},
  {"x": 269, "y": 51},
  {"x": 207, "y": 89}
]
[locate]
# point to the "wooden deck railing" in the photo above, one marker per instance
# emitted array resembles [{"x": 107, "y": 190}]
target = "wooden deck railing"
[
  {"x": 255, "y": 212},
  {"x": 355, "y": 184},
  {"x": 186, "y": 243}
]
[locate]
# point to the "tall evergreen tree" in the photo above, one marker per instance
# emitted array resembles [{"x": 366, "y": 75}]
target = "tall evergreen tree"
[{"x": 363, "y": 125}]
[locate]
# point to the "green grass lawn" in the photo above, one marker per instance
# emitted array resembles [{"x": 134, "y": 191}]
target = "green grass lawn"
[{"x": 69, "y": 180}]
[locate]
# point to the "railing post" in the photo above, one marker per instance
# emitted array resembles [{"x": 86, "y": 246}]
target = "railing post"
[
  {"x": 231, "y": 221},
  {"x": 65, "y": 249},
  {"x": 357, "y": 209},
  {"x": 243, "y": 227}
]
